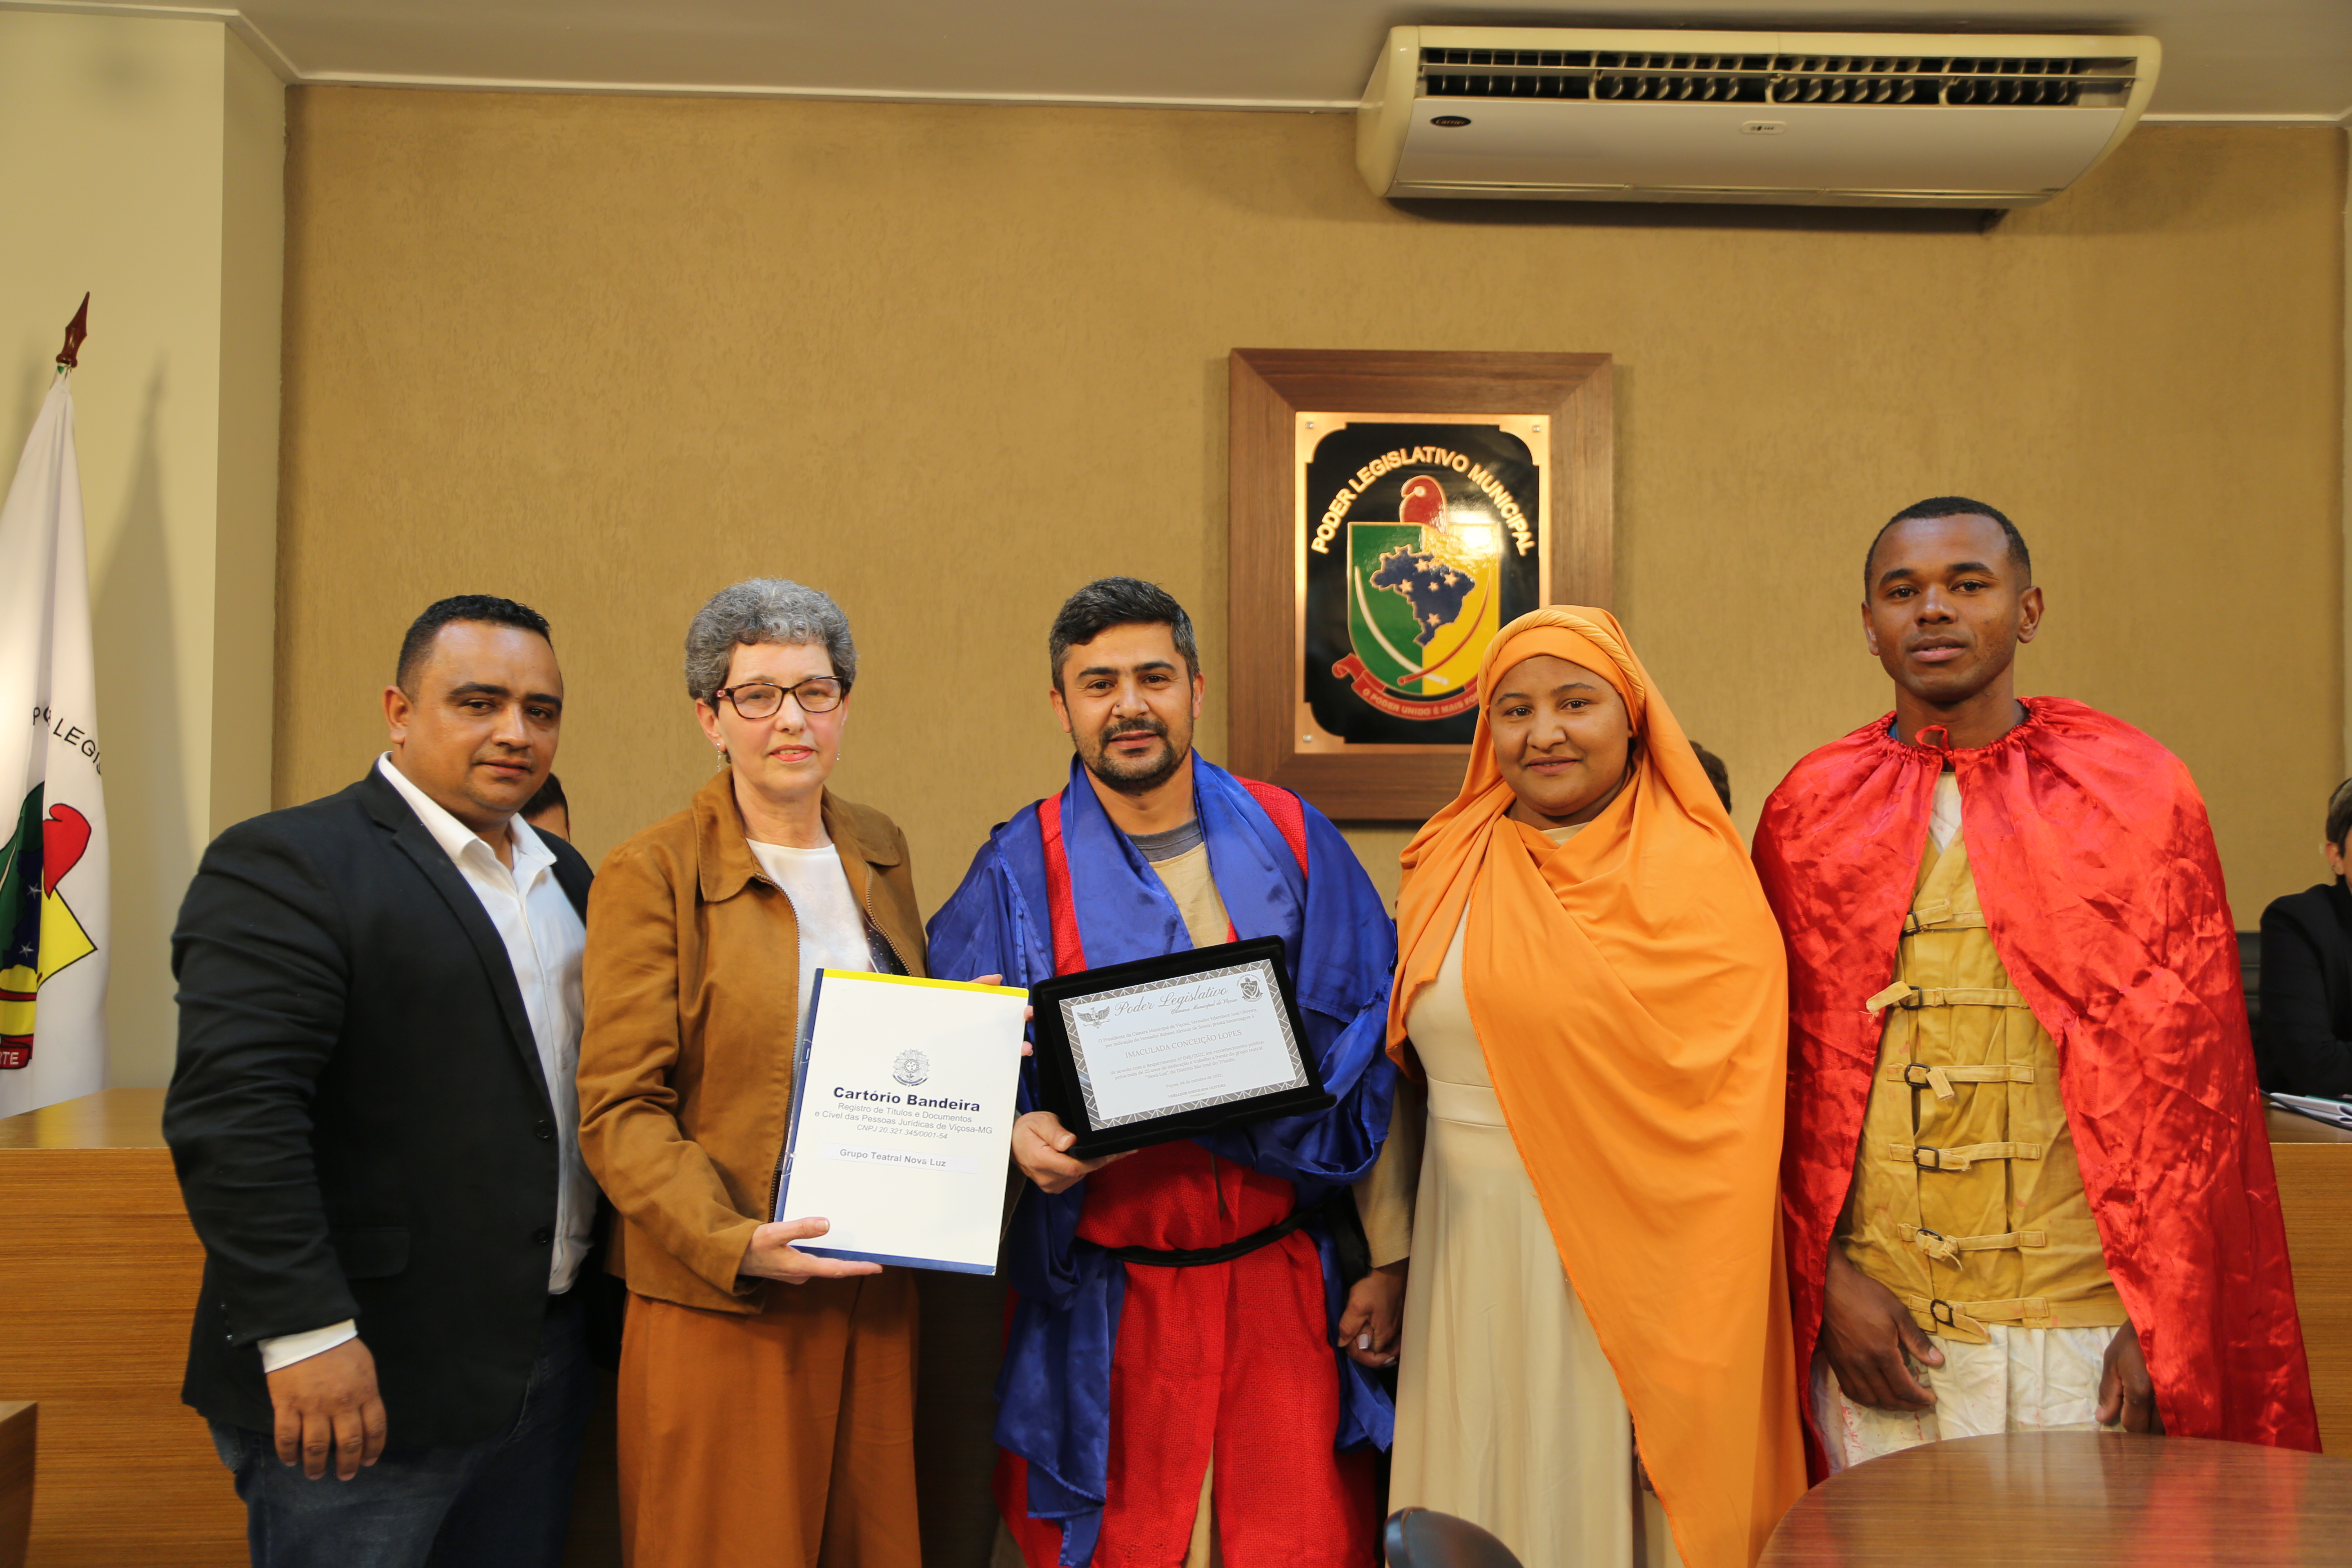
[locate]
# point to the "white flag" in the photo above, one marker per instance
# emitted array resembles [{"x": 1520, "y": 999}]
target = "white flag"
[{"x": 53, "y": 873}]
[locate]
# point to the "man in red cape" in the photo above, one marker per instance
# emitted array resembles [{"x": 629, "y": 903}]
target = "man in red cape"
[{"x": 1972, "y": 1247}]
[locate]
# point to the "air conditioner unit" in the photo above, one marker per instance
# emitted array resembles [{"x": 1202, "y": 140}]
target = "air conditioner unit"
[{"x": 1842, "y": 118}]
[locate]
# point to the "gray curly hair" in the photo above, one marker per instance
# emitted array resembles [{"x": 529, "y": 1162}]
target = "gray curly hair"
[{"x": 764, "y": 610}]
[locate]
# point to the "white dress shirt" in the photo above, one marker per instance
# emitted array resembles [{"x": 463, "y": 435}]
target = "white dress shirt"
[{"x": 545, "y": 941}]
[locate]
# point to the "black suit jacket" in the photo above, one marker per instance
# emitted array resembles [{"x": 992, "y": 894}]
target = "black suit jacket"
[
  {"x": 359, "y": 1117},
  {"x": 2305, "y": 1042}
]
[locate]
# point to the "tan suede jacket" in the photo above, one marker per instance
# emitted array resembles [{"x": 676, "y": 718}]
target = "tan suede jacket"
[{"x": 692, "y": 985}]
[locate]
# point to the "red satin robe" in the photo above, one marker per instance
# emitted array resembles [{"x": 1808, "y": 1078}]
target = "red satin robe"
[
  {"x": 2096, "y": 869},
  {"x": 1228, "y": 1358}
]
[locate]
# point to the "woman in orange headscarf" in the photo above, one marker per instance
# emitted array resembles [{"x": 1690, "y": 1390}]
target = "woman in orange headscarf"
[{"x": 1594, "y": 991}]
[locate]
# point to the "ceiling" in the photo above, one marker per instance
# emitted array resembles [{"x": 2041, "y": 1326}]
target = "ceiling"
[{"x": 2279, "y": 60}]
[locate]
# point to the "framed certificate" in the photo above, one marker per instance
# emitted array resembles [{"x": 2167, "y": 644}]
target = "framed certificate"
[
  {"x": 902, "y": 1119},
  {"x": 1135, "y": 1054}
]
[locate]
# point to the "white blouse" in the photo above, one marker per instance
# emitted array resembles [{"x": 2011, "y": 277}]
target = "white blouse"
[{"x": 832, "y": 930}]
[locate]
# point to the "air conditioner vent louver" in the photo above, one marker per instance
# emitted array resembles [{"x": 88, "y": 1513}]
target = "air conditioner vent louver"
[
  {"x": 1659, "y": 115},
  {"x": 1605, "y": 75}
]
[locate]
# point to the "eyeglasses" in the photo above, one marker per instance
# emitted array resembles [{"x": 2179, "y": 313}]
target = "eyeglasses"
[{"x": 761, "y": 698}]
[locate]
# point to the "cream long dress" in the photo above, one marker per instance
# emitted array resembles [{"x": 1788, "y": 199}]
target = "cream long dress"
[{"x": 1508, "y": 1412}]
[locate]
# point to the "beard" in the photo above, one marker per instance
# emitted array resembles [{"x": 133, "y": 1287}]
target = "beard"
[{"x": 1144, "y": 774}]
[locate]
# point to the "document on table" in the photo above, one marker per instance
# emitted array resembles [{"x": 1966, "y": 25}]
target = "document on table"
[
  {"x": 902, "y": 1119},
  {"x": 2335, "y": 1112}
]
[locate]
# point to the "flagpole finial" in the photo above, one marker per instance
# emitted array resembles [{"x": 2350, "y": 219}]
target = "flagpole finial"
[{"x": 76, "y": 330}]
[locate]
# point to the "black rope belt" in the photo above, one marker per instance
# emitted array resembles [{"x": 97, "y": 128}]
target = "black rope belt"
[{"x": 1193, "y": 1258}]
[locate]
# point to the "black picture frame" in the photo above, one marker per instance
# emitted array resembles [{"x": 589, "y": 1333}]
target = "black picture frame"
[{"x": 1057, "y": 1072}]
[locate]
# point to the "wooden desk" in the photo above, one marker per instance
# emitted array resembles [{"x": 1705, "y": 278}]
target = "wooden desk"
[
  {"x": 2287, "y": 1127},
  {"x": 102, "y": 1274},
  {"x": 20, "y": 1423},
  {"x": 101, "y": 1270},
  {"x": 2316, "y": 1197},
  {"x": 2075, "y": 1500}
]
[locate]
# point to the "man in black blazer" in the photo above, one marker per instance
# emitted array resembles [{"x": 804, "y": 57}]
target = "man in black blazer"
[
  {"x": 375, "y": 1124},
  {"x": 2303, "y": 1042}
]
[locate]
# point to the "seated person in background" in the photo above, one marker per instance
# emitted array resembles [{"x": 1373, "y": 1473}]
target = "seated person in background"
[
  {"x": 548, "y": 811},
  {"x": 2305, "y": 1042},
  {"x": 1718, "y": 774}
]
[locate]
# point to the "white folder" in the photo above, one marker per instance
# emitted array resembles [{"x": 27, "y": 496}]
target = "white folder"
[{"x": 902, "y": 1119}]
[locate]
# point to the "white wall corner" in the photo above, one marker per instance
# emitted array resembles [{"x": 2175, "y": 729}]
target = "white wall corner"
[
  {"x": 146, "y": 163},
  {"x": 244, "y": 585}
]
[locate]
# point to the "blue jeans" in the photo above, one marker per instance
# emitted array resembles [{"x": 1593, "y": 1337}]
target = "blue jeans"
[{"x": 502, "y": 1502}]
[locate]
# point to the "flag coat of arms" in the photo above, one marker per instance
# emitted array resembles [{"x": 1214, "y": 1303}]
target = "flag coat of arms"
[
  {"x": 1424, "y": 592},
  {"x": 53, "y": 869},
  {"x": 1421, "y": 537}
]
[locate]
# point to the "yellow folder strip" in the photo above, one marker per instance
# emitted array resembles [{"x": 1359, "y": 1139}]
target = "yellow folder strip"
[{"x": 917, "y": 979}]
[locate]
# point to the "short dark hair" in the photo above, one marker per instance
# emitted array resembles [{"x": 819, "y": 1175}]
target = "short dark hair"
[
  {"x": 547, "y": 797},
  {"x": 487, "y": 608},
  {"x": 1109, "y": 602},
  {"x": 2339, "y": 814},
  {"x": 1950, "y": 506},
  {"x": 1716, "y": 774}
]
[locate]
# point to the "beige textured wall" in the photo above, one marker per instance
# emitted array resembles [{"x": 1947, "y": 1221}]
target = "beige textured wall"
[
  {"x": 142, "y": 159},
  {"x": 606, "y": 354}
]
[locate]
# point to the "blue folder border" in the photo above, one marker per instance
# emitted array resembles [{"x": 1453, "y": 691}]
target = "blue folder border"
[{"x": 901, "y": 1262}]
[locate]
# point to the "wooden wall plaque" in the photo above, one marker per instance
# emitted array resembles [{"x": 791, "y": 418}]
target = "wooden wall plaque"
[{"x": 1389, "y": 511}]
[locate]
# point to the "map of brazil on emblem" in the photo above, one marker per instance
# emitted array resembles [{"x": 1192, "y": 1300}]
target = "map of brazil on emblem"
[{"x": 1423, "y": 538}]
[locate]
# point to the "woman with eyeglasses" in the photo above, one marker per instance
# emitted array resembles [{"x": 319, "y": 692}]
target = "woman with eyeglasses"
[{"x": 766, "y": 1393}]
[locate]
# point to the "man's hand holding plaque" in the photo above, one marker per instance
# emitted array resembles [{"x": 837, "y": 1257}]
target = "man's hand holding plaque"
[{"x": 1041, "y": 1147}]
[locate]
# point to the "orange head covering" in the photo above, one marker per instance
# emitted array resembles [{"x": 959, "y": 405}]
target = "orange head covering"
[{"x": 1630, "y": 991}]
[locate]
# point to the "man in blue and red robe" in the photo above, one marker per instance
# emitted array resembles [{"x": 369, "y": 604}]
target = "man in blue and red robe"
[{"x": 1169, "y": 1375}]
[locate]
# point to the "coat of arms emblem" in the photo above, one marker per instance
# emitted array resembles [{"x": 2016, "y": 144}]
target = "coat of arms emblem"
[
  {"x": 1422, "y": 539},
  {"x": 912, "y": 1068},
  {"x": 39, "y": 933}
]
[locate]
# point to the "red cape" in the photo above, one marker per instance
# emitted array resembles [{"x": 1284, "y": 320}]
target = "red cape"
[{"x": 2096, "y": 869}]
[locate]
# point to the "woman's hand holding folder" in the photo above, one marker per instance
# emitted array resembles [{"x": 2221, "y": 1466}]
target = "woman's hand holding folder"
[{"x": 772, "y": 1255}]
